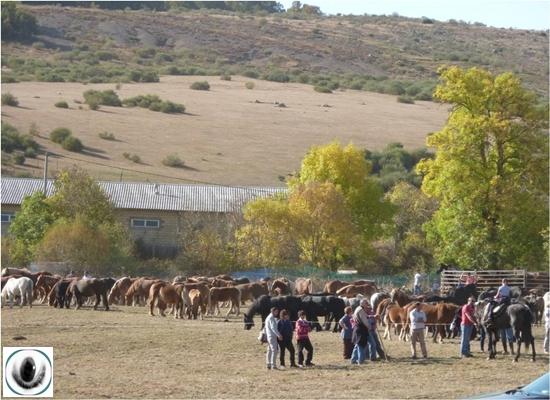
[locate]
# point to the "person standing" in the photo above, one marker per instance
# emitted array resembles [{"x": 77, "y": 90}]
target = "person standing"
[
  {"x": 303, "y": 327},
  {"x": 418, "y": 325},
  {"x": 347, "y": 332},
  {"x": 417, "y": 284},
  {"x": 272, "y": 335},
  {"x": 360, "y": 333},
  {"x": 286, "y": 330},
  {"x": 467, "y": 325},
  {"x": 374, "y": 345}
]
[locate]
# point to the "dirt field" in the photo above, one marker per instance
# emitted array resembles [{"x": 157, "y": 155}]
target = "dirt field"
[
  {"x": 231, "y": 135},
  {"x": 127, "y": 354}
]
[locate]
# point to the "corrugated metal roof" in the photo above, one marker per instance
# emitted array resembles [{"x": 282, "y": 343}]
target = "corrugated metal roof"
[{"x": 151, "y": 196}]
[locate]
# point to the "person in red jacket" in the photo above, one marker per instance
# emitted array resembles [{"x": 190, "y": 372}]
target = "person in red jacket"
[{"x": 303, "y": 327}]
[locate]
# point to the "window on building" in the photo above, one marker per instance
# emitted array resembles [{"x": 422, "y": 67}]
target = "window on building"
[
  {"x": 7, "y": 217},
  {"x": 145, "y": 223}
]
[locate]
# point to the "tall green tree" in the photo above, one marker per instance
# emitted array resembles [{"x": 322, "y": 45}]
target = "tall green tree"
[
  {"x": 490, "y": 174},
  {"x": 347, "y": 168}
]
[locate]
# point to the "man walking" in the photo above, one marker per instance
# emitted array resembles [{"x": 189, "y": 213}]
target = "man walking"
[
  {"x": 418, "y": 325},
  {"x": 273, "y": 336},
  {"x": 467, "y": 326}
]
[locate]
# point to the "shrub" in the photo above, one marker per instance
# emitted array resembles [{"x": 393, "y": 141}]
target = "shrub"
[
  {"x": 17, "y": 23},
  {"x": 107, "y": 135},
  {"x": 30, "y": 152},
  {"x": 171, "y": 108},
  {"x": 251, "y": 74},
  {"x": 277, "y": 76},
  {"x": 58, "y": 135},
  {"x": 19, "y": 159},
  {"x": 173, "y": 160},
  {"x": 249, "y": 85},
  {"x": 93, "y": 103},
  {"x": 405, "y": 99},
  {"x": 105, "y": 97},
  {"x": 13, "y": 140},
  {"x": 200, "y": 85},
  {"x": 225, "y": 77},
  {"x": 322, "y": 89},
  {"x": 72, "y": 144},
  {"x": 9, "y": 99},
  {"x": 132, "y": 157},
  {"x": 62, "y": 104}
]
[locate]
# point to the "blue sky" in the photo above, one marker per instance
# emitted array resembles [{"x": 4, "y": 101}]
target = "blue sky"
[{"x": 524, "y": 14}]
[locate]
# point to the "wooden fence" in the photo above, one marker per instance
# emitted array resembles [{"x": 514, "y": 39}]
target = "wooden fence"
[{"x": 493, "y": 278}]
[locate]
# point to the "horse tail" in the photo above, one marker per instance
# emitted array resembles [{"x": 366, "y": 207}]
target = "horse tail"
[
  {"x": 210, "y": 311},
  {"x": 154, "y": 293}
]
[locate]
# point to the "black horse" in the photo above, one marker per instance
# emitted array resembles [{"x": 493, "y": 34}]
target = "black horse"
[
  {"x": 519, "y": 317},
  {"x": 62, "y": 299},
  {"x": 263, "y": 305},
  {"x": 92, "y": 287},
  {"x": 458, "y": 296},
  {"x": 331, "y": 307}
]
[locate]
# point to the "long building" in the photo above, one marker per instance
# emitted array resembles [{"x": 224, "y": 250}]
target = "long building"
[{"x": 156, "y": 214}]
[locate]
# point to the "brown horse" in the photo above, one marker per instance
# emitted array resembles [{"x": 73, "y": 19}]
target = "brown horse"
[
  {"x": 44, "y": 285},
  {"x": 303, "y": 286},
  {"x": 251, "y": 291},
  {"x": 284, "y": 286},
  {"x": 366, "y": 290},
  {"x": 439, "y": 315},
  {"x": 333, "y": 286},
  {"x": 119, "y": 290},
  {"x": 164, "y": 294},
  {"x": 400, "y": 297},
  {"x": 220, "y": 294},
  {"x": 204, "y": 291},
  {"x": 219, "y": 282},
  {"x": 139, "y": 290},
  {"x": 394, "y": 315},
  {"x": 196, "y": 303}
]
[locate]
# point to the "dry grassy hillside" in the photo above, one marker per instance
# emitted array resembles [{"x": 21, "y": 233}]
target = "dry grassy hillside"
[{"x": 229, "y": 135}]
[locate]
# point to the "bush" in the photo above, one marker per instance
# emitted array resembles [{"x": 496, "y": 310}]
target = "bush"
[
  {"x": 200, "y": 85},
  {"x": 405, "y": 99},
  {"x": 72, "y": 144},
  {"x": 16, "y": 23},
  {"x": 105, "y": 98},
  {"x": 9, "y": 99},
  {"x": 58, "y": 135},
  {"x": 173, "y": 160},
  {"x": 277, "y": 76},
  {"x": 251, "y": 74},
  {"x": 30, "y": 152},
  {"x": 249, "y": 85},
  {"x": 13, "y": 140},
  {"x": 322, "y": 89},
  {"x": 171, "y": 108},
  {"x": 225, "y": 77},
  {"x": 107, "y": 135},
  {"x": 62, "y": 104},
  {"x": 19, "y": 159},
  {"x": 132, "y": 157}
]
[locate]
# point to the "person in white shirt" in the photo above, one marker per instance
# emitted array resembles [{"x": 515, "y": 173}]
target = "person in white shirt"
[
  {"x": 417, "y": 284},
  {"x": 418, "y": 325},
  {"x": 272, "y": 335}
]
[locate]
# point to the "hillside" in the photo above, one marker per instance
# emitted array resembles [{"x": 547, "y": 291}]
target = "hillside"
[
  {"x": 229, "y": 135},
  {"x": 86, "y": 44}
]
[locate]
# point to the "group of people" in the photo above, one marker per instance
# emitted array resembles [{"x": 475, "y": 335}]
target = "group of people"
[
  {"x": 359, "y": 334},
  {"x": 279, "y": 333}
]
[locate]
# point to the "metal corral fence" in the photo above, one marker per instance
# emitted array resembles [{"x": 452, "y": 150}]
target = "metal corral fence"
[{"x": 493, "y": 278}]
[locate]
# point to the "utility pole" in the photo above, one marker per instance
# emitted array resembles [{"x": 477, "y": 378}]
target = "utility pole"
[{"x": 46, "y": 174}]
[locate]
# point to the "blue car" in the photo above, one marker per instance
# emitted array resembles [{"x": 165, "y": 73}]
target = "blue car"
[{"x": 538, "y": 389}]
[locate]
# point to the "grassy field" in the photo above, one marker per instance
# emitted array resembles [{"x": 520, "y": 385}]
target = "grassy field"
[
  {"x": 230, "y": 134},
  {"x": 127, "y": 354}
]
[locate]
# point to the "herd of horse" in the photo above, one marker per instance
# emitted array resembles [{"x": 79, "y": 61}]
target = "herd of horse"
[{"x": 200, "y": 296}]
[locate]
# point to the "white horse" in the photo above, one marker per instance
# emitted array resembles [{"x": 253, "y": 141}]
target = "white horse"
[{"x": 21, "y": 287}]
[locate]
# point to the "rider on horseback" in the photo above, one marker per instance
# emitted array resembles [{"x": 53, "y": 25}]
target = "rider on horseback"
[{"x": 501, "y": 298}]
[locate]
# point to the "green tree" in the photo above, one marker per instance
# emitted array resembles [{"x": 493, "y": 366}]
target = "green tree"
[
  {"x": 414, "y": 209},
  {"x": 16, "y": 23},
  {"x": 347, "y": 168},
  {"x": 29, "y": 226},
  {"x": 490, "y": 173}
]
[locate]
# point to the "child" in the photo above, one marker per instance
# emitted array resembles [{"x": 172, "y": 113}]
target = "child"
[
  {"x": 302, "y": 335},
  {"x": 347, "y": 331},
  {"x": 285, "y": 329}
]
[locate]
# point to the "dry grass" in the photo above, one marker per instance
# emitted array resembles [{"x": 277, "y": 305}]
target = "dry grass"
[
  {"x": 226, "y": 137},
  {"x": 126, "y": 353}
]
